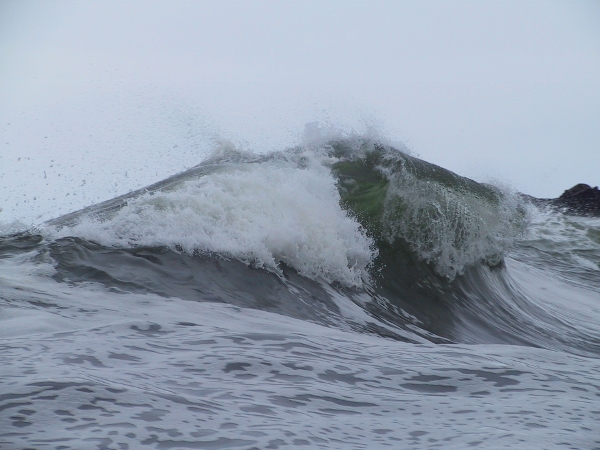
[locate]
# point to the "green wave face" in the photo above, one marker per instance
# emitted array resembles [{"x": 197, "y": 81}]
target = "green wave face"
[{"x": 407, "y": 204}]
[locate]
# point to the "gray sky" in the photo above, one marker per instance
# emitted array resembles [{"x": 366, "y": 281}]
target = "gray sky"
[{"x": 106, "y": 96}]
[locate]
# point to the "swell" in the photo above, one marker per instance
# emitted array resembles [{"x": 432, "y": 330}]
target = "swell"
[{"x": 351, "y": 234}]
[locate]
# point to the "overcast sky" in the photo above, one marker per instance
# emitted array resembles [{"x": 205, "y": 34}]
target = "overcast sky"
[{"x": 100, "y": 97}]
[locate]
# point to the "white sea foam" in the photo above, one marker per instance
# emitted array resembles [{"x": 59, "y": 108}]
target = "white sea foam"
[{"x": 262, "y": 214}]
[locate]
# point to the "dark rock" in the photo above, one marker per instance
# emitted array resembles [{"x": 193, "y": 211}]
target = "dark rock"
[
  {"x": 578, "y": 190},
  {"x": 580, "y": 200}
]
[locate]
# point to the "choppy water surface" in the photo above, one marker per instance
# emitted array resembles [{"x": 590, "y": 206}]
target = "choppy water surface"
[{"x": 344, "y": 295}]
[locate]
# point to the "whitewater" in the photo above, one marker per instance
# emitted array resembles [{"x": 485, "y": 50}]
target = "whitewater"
[{"x": 337, "y": 294}]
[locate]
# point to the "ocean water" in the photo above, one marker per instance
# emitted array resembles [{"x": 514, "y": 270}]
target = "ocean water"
[{"x": 341, "y": 294}]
